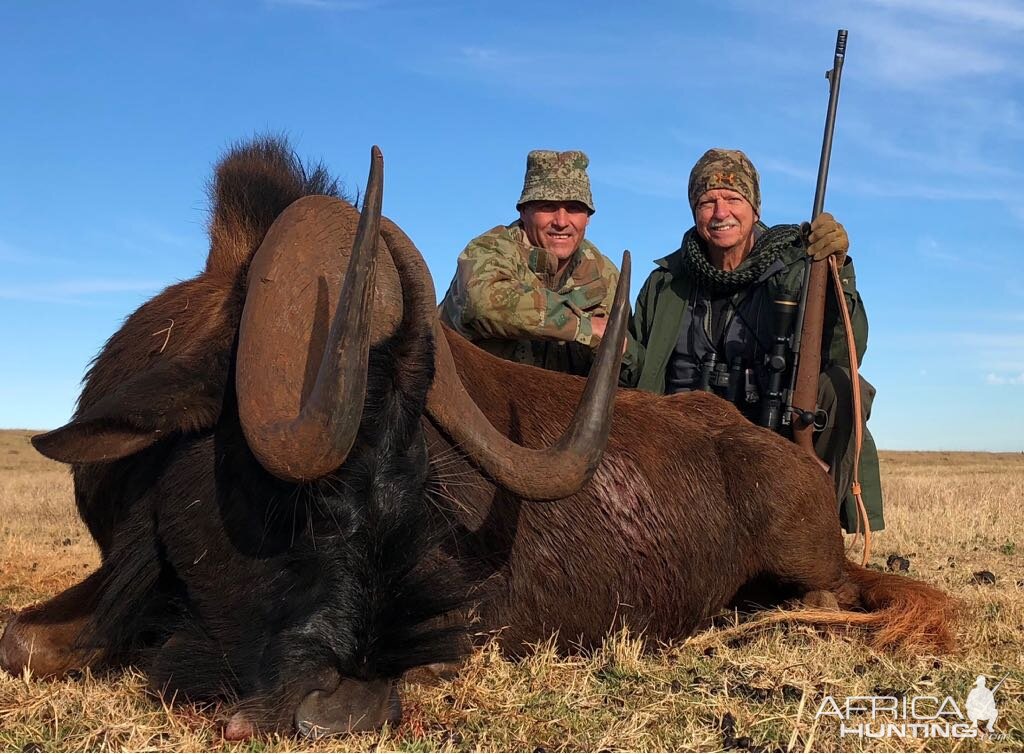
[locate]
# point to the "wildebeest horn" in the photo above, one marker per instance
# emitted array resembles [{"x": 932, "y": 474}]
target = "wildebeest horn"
[
  {"x": 536, "y": 474},
  {"x": 544, "y": 474},
  {"x": 314, "y": 443}
]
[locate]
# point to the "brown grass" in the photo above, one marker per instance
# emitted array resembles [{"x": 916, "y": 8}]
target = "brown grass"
[{"x": 951, "y": 514}]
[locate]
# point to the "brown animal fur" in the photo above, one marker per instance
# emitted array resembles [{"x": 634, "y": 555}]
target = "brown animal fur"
[
  {"x": 690, "y": 503},
  {"x": 249, "y": 190},
  {"x": 47, "y": 635},
  {"x": 190, "y": 327}
]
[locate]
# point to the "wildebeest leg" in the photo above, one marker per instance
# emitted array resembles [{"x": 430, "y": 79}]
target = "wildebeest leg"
[
  {"x": 821, "y": 599},
  {"x": 48, "y": 638},
  {"x": 816, "y": 566},
  {"x": 794, "y": 504}
]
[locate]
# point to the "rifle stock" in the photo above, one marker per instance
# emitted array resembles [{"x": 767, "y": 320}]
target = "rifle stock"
[{"x": 807, "y": 338}]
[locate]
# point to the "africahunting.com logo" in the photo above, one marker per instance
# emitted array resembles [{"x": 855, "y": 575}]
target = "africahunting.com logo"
[{"x": 917, "y": 716}]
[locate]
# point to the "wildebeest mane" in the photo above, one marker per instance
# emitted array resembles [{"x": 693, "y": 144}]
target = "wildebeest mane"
[
  {"x": 189, "y": 321},
  {"x": 165, "y": 370},
  {"x": 391, "y": 593},
  {"x": 254, "y": 182}
]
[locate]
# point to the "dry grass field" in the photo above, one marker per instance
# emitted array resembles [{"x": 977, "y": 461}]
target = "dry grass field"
[{"x": 951, "y": 515}]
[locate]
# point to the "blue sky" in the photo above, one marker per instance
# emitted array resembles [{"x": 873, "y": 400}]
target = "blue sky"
[{"x": 114, "y": 113}]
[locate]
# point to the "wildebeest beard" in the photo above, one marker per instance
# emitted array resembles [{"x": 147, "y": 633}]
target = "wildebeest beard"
[{"x": 223, "y": 581}]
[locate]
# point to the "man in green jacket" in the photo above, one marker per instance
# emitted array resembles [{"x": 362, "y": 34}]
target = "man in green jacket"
[
  {"x": 536, "y": 291},
  {"x": 705, "y": 317}
]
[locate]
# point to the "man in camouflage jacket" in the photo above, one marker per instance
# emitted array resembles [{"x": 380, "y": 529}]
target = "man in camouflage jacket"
[
  {"x": 536, "y": 291},
  {"x": 712, "y": 301}
]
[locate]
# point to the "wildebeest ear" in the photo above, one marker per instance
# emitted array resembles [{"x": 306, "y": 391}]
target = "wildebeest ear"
[
  {"x": 157, "y": 403},
  {"x": 85, "y": 442}
]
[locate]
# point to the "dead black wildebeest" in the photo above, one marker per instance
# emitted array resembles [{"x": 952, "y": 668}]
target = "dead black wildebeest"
[{"x": 303, "y": 483}]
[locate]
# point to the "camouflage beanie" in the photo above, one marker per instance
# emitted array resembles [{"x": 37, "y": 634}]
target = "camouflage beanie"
[
  {"x": 556, "y": 177},
  {"x": 725, "y": 169}
]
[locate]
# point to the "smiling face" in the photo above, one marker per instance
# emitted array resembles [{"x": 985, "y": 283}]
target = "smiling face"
[
  {"x": 557, "y": 227},
  {"x": 725, "y": 220}
]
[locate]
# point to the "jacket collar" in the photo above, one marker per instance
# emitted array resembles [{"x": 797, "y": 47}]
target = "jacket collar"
[{"x": 673, "y": 262}]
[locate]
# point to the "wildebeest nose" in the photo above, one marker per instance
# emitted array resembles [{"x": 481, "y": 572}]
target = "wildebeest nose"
[{"x": 352, "y": 707}]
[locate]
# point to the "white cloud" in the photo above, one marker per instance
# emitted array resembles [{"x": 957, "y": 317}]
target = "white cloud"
[
  {"x": 481, "y": 54},
  {"x": 961, "y": 156},
  {"x": 910, "y": 59},
  {"x": 996, "y": 379},
  {"x": 1007, "y": 16},
  {"x": 921, "y": 45},
  {"x": 782, "y": 167},
  {"x": 957, "y": 134}
]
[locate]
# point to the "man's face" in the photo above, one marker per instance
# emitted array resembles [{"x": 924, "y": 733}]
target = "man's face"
[
  {"x": 724, "y": 219},
  {"x": 557, "y": 227}
]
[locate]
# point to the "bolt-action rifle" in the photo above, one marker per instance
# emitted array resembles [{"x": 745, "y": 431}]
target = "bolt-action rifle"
[{"x": 797, "y": 406}]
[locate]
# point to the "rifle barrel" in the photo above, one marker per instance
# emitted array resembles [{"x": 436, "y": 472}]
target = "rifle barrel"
[
  {"x": 833, "y": 77},
  {"x": 1000, "y": 682}
]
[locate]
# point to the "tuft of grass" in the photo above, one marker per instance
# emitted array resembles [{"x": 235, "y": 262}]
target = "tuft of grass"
[{"x": 953, "y": 514}]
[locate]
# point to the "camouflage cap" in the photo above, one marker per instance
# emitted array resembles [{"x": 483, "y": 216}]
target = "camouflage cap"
[
  {"x": 725, "y": 169},
  {"x": 556, "y": 177}
]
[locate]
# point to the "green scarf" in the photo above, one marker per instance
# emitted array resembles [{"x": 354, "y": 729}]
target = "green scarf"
[{"x": 767, "y": 248}]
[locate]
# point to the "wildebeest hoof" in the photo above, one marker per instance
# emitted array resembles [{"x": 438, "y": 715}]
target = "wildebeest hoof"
[
  {"x": 47, "y": 650},
  {"x": 46, "y": 638},
  {"x": 821, "y": 600}
]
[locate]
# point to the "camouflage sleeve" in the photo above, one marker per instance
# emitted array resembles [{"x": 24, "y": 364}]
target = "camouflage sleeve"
[
  {"x": 834, "y": 349},
  {"x": 639, "y": 333},
  {"x": 632, "y": 359},
  {"x": 498, "y": 296},
  {"x": 610, "y": 276}
]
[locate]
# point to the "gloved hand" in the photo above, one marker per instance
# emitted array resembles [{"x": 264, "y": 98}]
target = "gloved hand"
[{"x": 827, "y": 237}]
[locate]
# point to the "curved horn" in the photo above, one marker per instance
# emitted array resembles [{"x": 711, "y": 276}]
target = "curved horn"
[
  {"x": 535, "y": 474},
  {"x": 318, "y": 440},
  {"x": 544, "y": 474}
]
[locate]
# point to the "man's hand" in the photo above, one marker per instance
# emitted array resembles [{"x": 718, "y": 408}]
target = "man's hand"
[
  {"x": 827, "y": 237},
  {"x": 598, "y": 325}
]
